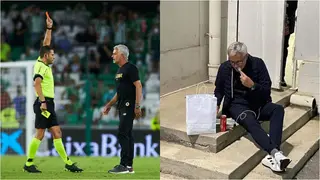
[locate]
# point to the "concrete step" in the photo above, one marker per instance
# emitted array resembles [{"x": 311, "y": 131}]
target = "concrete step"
[
  {"x": 235, "y": 161},
  {"x": 169, "y": 177},
  {"x": 311, "y": 169},
  {"x": 173, "y": 122},
  {"x": 299, "y": 148}
]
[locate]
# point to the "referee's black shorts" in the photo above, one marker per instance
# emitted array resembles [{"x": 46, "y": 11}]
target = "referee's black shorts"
[{"x": 41, "y": 121}]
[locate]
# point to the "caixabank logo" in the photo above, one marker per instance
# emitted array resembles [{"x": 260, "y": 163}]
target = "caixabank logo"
[
  {"x": 105, "y": 143},
  {"x": 9, "y": 141}
]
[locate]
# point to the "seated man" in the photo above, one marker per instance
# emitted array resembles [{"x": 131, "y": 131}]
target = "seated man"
[{"x": 245, "y": 84}]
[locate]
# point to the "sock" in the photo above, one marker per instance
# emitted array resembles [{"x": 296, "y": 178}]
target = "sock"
[
  {"x": 61, "y": 151},
  {"x": 273, "y": 152},
  {"x": 33, "y": 147}
]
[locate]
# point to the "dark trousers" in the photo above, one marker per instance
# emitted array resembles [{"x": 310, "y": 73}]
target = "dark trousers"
[
  {"x": 125, "y": 137},
  {"x": 284, "y": 56},
  {"x": 249, "y": 119}
]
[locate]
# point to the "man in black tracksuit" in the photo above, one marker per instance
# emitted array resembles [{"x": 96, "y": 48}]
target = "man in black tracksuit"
[
  {"x": 244, "y": 83},
  {"x": 128, "y": 97}
]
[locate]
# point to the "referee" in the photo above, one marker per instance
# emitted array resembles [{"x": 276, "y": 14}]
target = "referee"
[
  {"x": 43, "y": 106},
  {"x": 128, "y": 97}
]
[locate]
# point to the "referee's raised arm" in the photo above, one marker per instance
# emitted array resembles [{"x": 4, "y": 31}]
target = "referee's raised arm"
[
  {"x": 38, "y": 77},
  {"x": 47, "y": 37}
]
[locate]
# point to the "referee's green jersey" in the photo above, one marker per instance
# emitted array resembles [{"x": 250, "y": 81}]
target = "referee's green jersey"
[{"x": 45, "y": 73}]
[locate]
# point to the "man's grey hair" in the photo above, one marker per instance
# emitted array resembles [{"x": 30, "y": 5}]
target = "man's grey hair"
[
  {"x": 237, "y": 47},
  {"x": 123, "y": 49}
]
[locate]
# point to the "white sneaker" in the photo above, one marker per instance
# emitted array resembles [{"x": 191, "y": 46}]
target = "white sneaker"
[
  {"x": 282, "y": 160},
  {"x": 271, "y": 163}
]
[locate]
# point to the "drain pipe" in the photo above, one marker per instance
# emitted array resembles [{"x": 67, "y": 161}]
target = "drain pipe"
[{"x": 214, "y": 38}]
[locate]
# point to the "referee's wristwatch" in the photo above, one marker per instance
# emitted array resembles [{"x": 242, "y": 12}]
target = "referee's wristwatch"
[
  {"x": 137, "y": 106},
  {"x": 43, "y": 101}
]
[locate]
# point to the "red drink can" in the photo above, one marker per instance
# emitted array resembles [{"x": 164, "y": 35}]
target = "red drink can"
[{"x": 223, "y": 123}]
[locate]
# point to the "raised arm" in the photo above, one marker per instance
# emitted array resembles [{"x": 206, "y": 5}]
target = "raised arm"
[{"x": 47, "y": 37}]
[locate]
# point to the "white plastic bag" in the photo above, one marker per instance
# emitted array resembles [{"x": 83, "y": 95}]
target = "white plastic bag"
[{"x": 201, "y": 112}]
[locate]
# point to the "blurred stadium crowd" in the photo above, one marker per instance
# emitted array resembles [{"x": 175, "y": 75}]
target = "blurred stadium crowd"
[{"x": 83, "y": 37}]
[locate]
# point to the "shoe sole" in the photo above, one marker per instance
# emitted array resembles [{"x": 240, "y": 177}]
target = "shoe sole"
[
  {"x": 125, "y": 172},
  {"x": 272, "y": 169},
  {"x": 72, "y": 171},
  {"x": 284, "y": 163},
  {"x": 30, "y": 172},
  {"x": 132, "y": 172}
]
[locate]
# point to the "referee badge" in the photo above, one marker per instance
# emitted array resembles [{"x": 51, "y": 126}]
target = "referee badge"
[{"x": 127, "y": 104}]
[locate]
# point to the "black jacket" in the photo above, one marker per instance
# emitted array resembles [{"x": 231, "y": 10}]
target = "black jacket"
[{"x": 257, "y": 71}]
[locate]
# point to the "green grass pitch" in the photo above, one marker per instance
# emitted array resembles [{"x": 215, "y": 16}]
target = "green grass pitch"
[{"x": 94, "y": 168}]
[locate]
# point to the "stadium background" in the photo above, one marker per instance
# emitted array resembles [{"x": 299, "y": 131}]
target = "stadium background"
[{"x": 83, "y": 37}]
